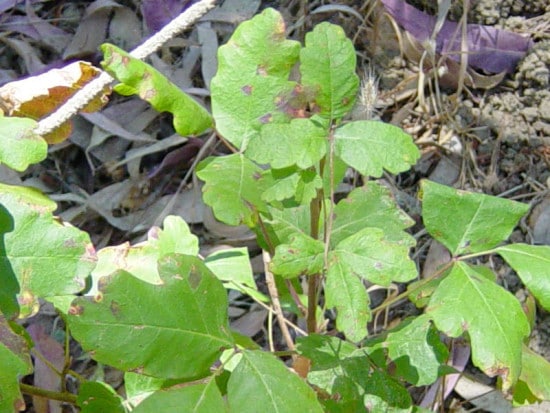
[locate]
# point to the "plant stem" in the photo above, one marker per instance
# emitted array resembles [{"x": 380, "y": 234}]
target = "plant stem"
[
  {"x": 48, "y": 394},
  {"x": 312, "y": 281}
]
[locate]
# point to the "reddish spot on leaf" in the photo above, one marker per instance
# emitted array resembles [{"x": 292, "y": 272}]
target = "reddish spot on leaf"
[
  {"x": 247, "y": 90},
  {"x": 257, "y": 176},
  {"x": 98, "y": 297},
  {"x": 115, "y": 308},
  {"x": 125, "y": 60}
]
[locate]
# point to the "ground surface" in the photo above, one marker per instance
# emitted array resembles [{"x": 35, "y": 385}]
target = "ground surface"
[{"x": 494, "y": 139}]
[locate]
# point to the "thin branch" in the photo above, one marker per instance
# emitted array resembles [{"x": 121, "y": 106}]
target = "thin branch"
[
  {"x": 274, "y": 294},
  {"x": 85, "y": 95},
  {"x": 49, "y": 394}
]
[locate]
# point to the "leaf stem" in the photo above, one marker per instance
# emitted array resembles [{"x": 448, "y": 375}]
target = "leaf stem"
[{"x": 48, "y": 394}]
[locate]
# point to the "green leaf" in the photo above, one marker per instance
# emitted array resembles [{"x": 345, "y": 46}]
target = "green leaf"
[
  {"x": 137, "y": 77},
  {"x": 232, "y": 266},
  {"x": 292, "y": 184},
  {"x": 371, "y": 205},
  {"x": 262, "y": 383},
  {"x": 327, "y": 64},
  {"x": 20, "y": 146},
  {"x": 467, "y": 222},
  {"x": 466, "y": 301},
  {"x": 532, "y": 263},
  {"x": 47, "y": 258},
  {"x": 16, "y": 362},
  {"x": 286, "y": 222},
  {"x": 233, "y": 188},
  {"x": 134, "y": 325},
  {"x": 251, "y": 85},
  {"x": 201, "y": 397},
  {"x": 372, "y": 146},
  {"x": 97, "y": 397},
  {"x": 300, "y": 142},
  {"x": 535, "y": 374},
  {"x": 138, "y": 386},
  {"x": 346, "y": 292},
  {"x": 141, "y": 259},
  {"x": 416, "y": 350},
  {"x": 370, "y": 255},
  {"x": 303, "y": 255}
]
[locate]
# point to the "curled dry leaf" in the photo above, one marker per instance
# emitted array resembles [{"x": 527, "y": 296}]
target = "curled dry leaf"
[
  {"x": 488, "y": 48},
  {"x": 37, "y": 96}
]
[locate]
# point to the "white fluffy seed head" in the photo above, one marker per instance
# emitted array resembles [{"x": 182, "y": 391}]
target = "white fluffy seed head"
[{"x": 368, "y": 93}]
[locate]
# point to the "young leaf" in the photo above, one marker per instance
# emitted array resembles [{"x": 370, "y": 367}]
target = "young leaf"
[
  {"x": 346, "y": 292},
  {"x": 16, "y": 362},
  {"x": 233, "y": 188},
  {"x": 43, "y": 256},
  {"x": 298, "y": 185},
  {"x": 137, "y": 77},
  {"x": 303, "y": 255},
  {"x": 493, "y": 318},
  {"x": 98, "y": 397},
  {"x": 20, "y": 147},
  {"x": 416, "y": 350},
  {"x": 532, "y": 263},
  {"x": 196, "y": 398},
  {"x": 134, "y": 325},
  {"x": 369, "y": 254},
  {"x": 253, "y": 67},
  {"x": 371, "y": 146},
  {"x": 466, "y": 222},
  {"x": 262, "y": 383},
  {"x": 369, "y": 206},
  {"x": 301, "y": 142},
  {"x": 327, "y": 64},
  {"x": 283, "y": 223}
]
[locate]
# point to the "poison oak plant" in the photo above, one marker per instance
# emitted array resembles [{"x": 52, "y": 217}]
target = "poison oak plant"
[{"x": 161, "y": 314}]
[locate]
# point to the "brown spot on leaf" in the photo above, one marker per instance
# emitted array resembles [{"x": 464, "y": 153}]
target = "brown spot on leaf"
[
  {"x": 125, "y": 60},
  {"x": 260, "y": 70},
  {"x": 115, "y": 308},
  {"x": 149, "y": 94},
  {"x": 247, "y": 90},
  {"x": 76, "y": 310},
  {"x": 98, "y": 297},
  {"x": 266, "y": 118},
  {"x": 194, "y": 278}
]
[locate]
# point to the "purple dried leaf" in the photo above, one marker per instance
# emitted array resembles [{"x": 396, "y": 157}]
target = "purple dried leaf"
[
  {"x": 490, "y": 49},
  {"x": 157, "y": 13}
]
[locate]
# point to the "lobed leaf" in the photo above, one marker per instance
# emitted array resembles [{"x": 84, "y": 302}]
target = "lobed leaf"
[
  {"x": 233, "y": 188},
  {"x": 327, "y": 65},
  {"x": 372, "y": 146},
  {"x": 369, "y": 206},
  {"x": 346, "y": 293},
  {"x": 493, "y": 318},
  {"x": 261, "y": 382},
  {"x": 20, "y": 147},
  {"x": 136, "y": 326},
  {"x": 41, "y": 257},
  {"x": 301, "y": 142},
  {"x": 303, "y": 255},
  {"x": 370, "y": 255},
  {"x": 416, "y": 350},
  {"x": 466, "y": 222},
  {"x": 251, "y": 87},
  {"x": 137, "y": 77},
  {"x": 532, "y": 263}
]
